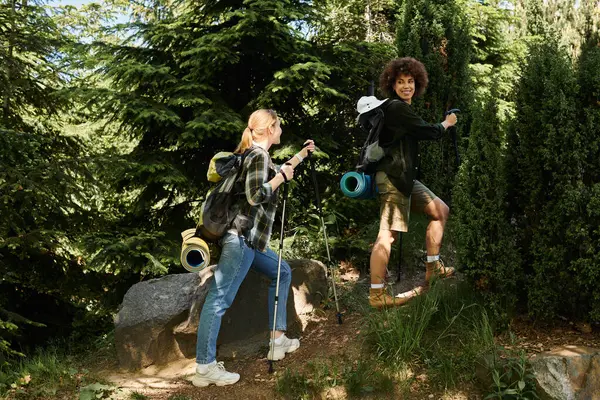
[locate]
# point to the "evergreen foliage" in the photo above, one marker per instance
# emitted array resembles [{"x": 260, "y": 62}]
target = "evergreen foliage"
[
  {"x": 354, "y": 21},
  {"x": 498, "y": 54},
  {"x": 438, "y": 34},
  {"x": 545, "y": 161},
  {"x": 486, "y": 242},
  {"x": 588, "y": 235},
  {"x": 550, "y": 173},
  {"x": 106, "y": 133},
  {"x": 183, "y": 87},
  {"x": 46, "y": 194}
]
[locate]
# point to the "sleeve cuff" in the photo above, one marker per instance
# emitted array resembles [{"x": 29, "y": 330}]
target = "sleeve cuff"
[
  {"x": 264, "y": 194},
  {"x": 268, "y": 190}
]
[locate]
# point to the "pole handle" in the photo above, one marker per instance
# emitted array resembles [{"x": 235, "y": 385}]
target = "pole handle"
[
  {"x": 286, "y": 185},
  {"x": 315, "y": 182},
  {"x": 453, "y": 133},
  {"x": 451, "y": 111}
]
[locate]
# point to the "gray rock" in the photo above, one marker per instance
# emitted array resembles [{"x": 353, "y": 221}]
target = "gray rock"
[
  {"x": 158, "y": 319},
  {"x": 568, "y": 373}
]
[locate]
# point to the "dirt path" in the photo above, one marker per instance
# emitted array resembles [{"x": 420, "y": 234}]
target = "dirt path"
[{"x": 324, "y": 340}]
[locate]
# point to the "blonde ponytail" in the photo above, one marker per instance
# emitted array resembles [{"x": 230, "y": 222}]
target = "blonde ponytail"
[
  {"x": 258, "y": 126},
  {"x": 246, "y": 141}
]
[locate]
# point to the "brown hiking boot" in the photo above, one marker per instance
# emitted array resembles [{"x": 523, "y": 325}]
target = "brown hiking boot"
[
  {"x": 378, "y": 298},
  {"x": 437, "y": 269}
]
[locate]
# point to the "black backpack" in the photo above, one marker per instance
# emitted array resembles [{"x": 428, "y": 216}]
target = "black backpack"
[
  {"x": 374, "y": 147},
  {"x": 217, "y": 212}
]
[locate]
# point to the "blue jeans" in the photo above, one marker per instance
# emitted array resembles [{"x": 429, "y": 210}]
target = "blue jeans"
[{"x": 235, "y": 261}]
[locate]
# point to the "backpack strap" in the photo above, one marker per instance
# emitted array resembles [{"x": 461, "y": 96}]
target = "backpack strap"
[
  {"x": 243, "y": 158},
  {"x": 386, "y": 141}
]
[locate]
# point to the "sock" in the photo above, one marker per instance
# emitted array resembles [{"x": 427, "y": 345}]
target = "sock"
[
  {"x": 433, "y": 258},
  {"x": 203, "y": 368},
  {"x": 377, "y": 285}
]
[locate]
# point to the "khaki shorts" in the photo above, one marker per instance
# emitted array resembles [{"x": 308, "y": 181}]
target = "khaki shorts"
[{"x": 395, "y": 207}]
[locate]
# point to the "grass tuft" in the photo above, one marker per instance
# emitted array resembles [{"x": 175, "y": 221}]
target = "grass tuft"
[
  {"x": 137, "y": 396},
  {"x": 49, "y": 373},
  {"x": 179, "y": 397},
  {"x": 446, "y": 330}
]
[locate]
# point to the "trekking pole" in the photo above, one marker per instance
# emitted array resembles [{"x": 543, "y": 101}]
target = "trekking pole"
[
  {"x": 272, "y": 344},
  {"x": 318, "y": 203},
  {"x": 453, "y": 133},
  {"x": 400, "y": 261}
]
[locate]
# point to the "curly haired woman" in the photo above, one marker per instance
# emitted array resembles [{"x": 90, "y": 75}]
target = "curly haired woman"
[{"x": 396, "y": 178}]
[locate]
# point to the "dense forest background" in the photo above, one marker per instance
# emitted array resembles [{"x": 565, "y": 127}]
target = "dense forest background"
[{"x": 110, "y": 112}]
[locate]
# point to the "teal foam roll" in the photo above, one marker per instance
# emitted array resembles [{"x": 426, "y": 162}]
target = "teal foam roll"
[{"x": 357, "y": 185}]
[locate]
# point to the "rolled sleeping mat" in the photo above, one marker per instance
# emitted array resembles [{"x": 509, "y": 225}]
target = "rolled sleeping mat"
[
  {"x": 357, "y": 185},
  {"x": 195, "y": 255}
]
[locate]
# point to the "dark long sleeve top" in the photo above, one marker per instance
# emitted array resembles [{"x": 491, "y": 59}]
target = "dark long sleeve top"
[{"x": 401, "y": 133}]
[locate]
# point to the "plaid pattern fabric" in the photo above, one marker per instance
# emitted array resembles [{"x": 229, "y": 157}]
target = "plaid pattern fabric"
[{"x": 258, "y": 200}]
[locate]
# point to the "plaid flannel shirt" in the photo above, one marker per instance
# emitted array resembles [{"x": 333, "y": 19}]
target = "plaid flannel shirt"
[{"x": 258, "y": 201}]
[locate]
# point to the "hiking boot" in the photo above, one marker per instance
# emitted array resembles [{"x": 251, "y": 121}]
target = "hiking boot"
[
  {"x": 414, "y": 292},
  {"x": 214, "y": 373},
  {"x": 437, "y": 269},
  {"x": 378, "y": 298},
  {"x": 283, "y": 345}
]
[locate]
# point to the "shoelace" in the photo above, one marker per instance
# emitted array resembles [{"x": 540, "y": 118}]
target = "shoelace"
[{"x": 220, "y": 366}]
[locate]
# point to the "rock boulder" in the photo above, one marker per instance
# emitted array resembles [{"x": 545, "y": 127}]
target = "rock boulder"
[
  {"x": 158, "y": 319},
  {"x": 568, "y": 373}
]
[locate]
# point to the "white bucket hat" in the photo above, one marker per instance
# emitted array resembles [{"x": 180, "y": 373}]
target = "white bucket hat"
[{"x": 368, "y": 103}]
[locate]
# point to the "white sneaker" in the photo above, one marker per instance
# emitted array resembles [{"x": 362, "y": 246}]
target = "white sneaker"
[
  {"x": 282, "y": 345},
  {"x": 214, "y": 373}
]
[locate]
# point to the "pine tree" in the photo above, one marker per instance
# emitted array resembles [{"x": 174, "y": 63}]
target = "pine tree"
[
  {"x": 45, "y": 191},
  {"x": 565, "y": 18},
  {"x": 545, "y": 164},
  {"x": 587, "y": 237},
  {"x": 486, "y": 242},
  {"x": 354, "y": 21},
  {"x": 28, "y": 77},
  {"x": 183, "y": 88},
  {"x": 499, "y": 52},
  {"x": 438, "y": 34}
]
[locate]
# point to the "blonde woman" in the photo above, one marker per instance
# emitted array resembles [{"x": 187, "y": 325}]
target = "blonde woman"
[{"x": 248, "y": 248}]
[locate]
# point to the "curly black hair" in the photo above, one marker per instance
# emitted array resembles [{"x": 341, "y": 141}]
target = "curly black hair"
[{"x": 404, "y": 65}]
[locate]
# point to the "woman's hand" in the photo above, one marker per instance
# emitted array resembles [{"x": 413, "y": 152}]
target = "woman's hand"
[
  {"x": 288, "y": 171},
  {"x": 450, "y": 121},
  {"x": 310, "y": 147}
]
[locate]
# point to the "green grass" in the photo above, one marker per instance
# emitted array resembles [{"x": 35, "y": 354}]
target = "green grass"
[
  {"x": 353, "y": 297},
  {"x": 56, "y": 372},
  {"x": 511, "y": 375},
  {"x": 137, "y": 396},
  {"x": 316, "y": 377},
  {"x": 296, "y": 386},
  {"x": 444, "y": 335},
  {"x": 364, "y": 377},
  {"x": 355, "y": 378},
  {"x": 445, "y": 330},
  {"x": 179, "y": 397}
]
